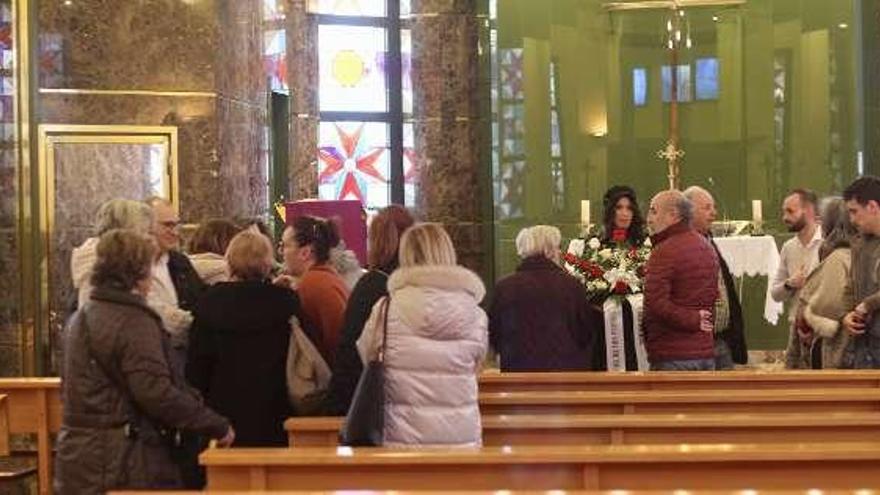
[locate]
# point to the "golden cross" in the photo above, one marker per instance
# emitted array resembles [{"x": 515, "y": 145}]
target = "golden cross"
[{"x": 671, "y": 154}]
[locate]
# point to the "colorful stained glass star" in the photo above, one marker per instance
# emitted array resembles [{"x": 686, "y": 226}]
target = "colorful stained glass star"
[{"x": 349, "y": 165}]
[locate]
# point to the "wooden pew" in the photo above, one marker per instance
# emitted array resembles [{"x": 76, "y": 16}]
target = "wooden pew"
[
  {"x": 493, "y": 381},
  {"x": 506, "y": 492},
  {"x": 633, "y": 429},
  {"x": 682, "y": 402},
  {"x": 619, "y": 467},
  {"x": 4, "y": 426},
  {"x": 34, "y": 407}
]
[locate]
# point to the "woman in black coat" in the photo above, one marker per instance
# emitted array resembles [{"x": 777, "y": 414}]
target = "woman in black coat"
[
  {"x": 239, "y": 343},
  {"x": 541, "y": 318},
  {"x": 386, "y": 230}
]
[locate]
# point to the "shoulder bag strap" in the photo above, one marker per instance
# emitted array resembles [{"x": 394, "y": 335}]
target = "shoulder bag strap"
[{"x": 386, "y": 304}]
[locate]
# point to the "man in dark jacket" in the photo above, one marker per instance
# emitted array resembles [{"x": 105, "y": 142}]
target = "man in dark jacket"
[
  {"x": 541, "y": 319},
  {"x": 176, "y": 288},
  {"x": 730, "y": 340},
  {"x": 681, "y": 287}
]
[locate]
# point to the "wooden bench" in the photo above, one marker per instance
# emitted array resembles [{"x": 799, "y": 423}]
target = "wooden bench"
[
  {"x": 682, "y": 402},
  {"x": 34, "y": 407},
  {"x": 493, "y": 381},
  {"x": 637, "y": 467},
  {"x": 505, "y": 492},
  {"x": 632, "y": 429}
]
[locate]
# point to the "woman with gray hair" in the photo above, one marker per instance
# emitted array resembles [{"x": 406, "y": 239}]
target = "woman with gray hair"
[
  {"x": 818, "y": 341},
  {"x": 540, "y": 318},
  {"x": 114, "y": 214}
]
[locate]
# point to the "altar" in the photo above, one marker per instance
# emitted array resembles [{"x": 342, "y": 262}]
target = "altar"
[{"x": 753, "y": 256}]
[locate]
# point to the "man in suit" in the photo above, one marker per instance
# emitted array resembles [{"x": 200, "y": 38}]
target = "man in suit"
[{"x": 730, "y": 341}]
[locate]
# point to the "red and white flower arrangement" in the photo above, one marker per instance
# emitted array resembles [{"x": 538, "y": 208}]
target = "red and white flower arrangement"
[{"x": 611, "y": 271}]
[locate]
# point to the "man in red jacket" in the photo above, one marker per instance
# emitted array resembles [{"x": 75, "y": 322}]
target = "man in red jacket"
[{"x": 681, "y": 287}]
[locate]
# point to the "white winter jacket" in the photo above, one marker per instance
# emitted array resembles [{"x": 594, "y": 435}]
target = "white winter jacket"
[{"x": 437, "y": 338}]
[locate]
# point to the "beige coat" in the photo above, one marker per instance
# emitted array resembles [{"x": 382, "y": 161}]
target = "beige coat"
[{"x": 824, "y": 300}]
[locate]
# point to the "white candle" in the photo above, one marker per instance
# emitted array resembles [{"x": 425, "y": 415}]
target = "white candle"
[
  {"x": 757, "y": 211},
  {"x": 585, "y": 212}
]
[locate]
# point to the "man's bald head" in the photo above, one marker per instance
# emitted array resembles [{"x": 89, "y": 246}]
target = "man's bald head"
[
  {"x": 703, "y": 207},
  {"x": 667, "y": 209}
]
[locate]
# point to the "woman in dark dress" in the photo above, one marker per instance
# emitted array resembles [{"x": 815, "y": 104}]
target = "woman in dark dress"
[
  {"x": 239, "y": 342},
  {"x": 386, "y": 229},
  {"x": 623, "y": 225}
]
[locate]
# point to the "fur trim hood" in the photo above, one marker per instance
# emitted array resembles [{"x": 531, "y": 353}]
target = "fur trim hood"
[{"x": 444, "y": 278}]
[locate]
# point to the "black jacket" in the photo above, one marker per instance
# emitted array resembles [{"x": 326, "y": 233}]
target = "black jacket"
[
  {"x": 541, "y": 320},
  {"x": 186, "y": 280},
  {"x": 347, "y": 367},
  {"x": 734, "y": 334},
  {"x": 238, "y": 356},
  {"x": 115, "y": 371}
]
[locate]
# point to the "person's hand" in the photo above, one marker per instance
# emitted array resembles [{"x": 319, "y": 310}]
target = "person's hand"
[
  {"x": 285, "y": 281},
  {"x": 854, "y": 322},
  {"x": 706, "y": 324},
  {"x": 227, "y": 440},
  {"x": 797, "y": 280}
]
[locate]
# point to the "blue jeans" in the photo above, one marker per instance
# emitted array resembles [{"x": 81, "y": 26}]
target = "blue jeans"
[{"x": 684, "y": 365}]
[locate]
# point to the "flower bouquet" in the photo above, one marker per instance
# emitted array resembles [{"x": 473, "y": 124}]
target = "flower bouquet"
[{"x": 616, "y": 270}]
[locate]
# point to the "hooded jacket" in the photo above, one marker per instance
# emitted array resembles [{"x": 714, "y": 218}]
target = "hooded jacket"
[{"x": 436, "y": 341}]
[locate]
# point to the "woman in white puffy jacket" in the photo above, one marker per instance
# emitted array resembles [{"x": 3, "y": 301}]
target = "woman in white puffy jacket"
[{"x": 437, "y": 338}]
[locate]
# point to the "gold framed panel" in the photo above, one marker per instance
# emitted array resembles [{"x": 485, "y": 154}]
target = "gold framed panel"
[{"x": 49, "y": 137}]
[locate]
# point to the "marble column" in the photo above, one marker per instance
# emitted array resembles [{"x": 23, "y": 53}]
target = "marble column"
[
  {"x": 194, "y": 65},
  {"x": 451, "y": 123},
  {"x": 302, "y": 63}
]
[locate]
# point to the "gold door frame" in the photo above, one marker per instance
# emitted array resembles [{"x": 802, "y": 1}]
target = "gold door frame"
[{"x": 50, "y": 135}]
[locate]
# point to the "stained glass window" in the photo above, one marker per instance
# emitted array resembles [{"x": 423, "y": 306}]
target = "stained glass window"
[
  {"x": 365, "y": 8},
  {"x": 406, "y": 70},
  {"x": 354, "y": 162},
  {"x": 351, "y": 61},
  {"x": 359, "y": 118},
  {"x": 275, "y": 59},
  {"x": 272, "y": 10}
]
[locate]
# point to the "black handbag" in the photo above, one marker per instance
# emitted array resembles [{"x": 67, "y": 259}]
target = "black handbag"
[{"x": 364, "y": 425}]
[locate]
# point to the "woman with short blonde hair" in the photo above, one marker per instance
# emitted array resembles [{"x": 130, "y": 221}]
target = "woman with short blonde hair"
[
  {"x": 249, "y": 256},
  {"x": 436, "y": 341},
  {"x": 239, "y": 342}
]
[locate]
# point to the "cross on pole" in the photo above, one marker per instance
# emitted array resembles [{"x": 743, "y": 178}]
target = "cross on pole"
[{"x": 671, "y": 153}]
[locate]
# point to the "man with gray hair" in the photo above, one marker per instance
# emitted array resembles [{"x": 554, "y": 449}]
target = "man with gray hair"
[
  {"x": 681, "y": 287},
  {"x": 113, "y": 214},
  {"x": 730, "y": 341},
  {"x": 540, "y": 318}
]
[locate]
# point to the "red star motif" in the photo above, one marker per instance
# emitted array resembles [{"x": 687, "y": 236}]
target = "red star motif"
[{"x": 348, "y": 181}]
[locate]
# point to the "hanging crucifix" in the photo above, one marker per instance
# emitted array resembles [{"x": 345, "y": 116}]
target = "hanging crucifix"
[{"x": 676, "y": 37}]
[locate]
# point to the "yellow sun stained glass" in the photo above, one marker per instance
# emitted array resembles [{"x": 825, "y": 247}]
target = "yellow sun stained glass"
[{"x": 348, "y": 68}]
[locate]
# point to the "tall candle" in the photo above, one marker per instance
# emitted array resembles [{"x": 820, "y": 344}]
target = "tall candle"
[
  {"x": 585, "y": 212},
  {"x": 757, "y": 211}
]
